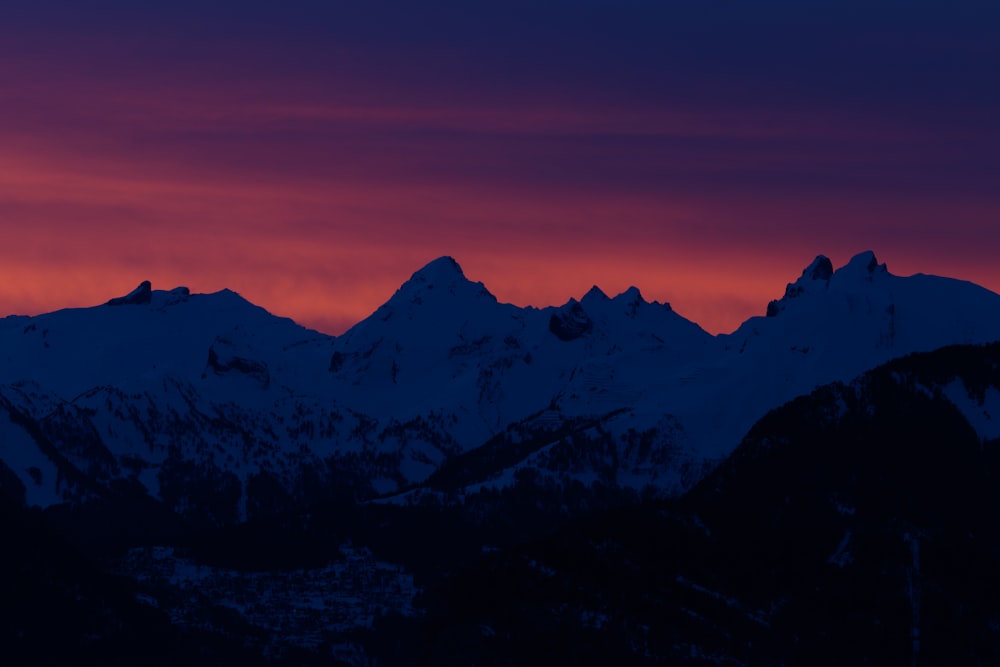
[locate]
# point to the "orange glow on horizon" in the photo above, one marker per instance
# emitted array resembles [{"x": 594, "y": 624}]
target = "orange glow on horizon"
[{"x": 318, "y": 201}]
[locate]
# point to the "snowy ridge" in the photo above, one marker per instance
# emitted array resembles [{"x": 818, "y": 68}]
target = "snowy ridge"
[{"x": 219, "y": 409}]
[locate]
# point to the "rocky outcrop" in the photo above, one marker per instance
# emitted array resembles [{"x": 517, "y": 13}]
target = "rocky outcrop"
[
  {"x": 570, "y": 322},
  {"x": 223, "y": 359},
  {"x": 142, "y": 294}
]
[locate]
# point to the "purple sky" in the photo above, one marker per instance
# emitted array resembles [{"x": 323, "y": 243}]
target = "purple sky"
[{"x": 311, "y": 158}]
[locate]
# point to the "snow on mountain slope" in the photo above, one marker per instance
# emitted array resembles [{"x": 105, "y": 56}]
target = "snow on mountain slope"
[
  {"x": 444, "y": 343},
  {"x": 982, "y": 412},
  {"x": 830, "y": 325},
  {"x": 221, "y": 410},
  {"x": 37, "y": 476},
  {"x": 833, "y": 325},
  {"x": 169, "y": 334},
  {"x": 430, "y": 345}
]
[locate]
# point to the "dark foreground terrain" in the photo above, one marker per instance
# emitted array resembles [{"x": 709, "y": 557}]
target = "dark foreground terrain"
[{"x": 857, "y": 525}]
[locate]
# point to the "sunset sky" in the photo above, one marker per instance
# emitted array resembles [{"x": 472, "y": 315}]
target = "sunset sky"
[{"x": 312, "y": 155}]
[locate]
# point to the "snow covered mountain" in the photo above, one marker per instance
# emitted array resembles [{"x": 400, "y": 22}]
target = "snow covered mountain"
[
  {"x": 832, "y": 326},
  {"x": 220, "y": 411}
]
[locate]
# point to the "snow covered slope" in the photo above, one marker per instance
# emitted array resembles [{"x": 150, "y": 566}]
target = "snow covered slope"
[
  {"x": 834, "y": 325},
  {"x": 169, "y": 334},
  {"x": 222, "y": 411},
  {"x": 444, "y": 344}
]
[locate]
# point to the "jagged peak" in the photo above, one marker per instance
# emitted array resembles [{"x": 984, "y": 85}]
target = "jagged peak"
[
  {"x": 863, "y": 264},
  {"x": 818, "y": 276},
  {"x": 815, "y": 277},
  {"x": 142, "y": 294},
  {"x": 820, "y": 269},
  {"x": 631, "y": 295},
  {"x": 594, "y": 294}
]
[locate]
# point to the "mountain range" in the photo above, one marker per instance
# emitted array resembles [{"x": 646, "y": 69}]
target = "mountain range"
[
  {"x": 176, "y": 437},
  {"x": 170, "y": 392}
]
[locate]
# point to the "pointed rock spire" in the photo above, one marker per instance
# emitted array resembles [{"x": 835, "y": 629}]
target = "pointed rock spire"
[
  {"x": 140, "y": 295},
  {"x": 820, "y": 271}
]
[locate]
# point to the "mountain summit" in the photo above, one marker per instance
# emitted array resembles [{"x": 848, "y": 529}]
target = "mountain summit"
[
  {"x": 140, "y": 295},
  {"x": 819, "y": 275},
  {"x": 441, "y": 271},
  {"x": 432, "y": 291}
]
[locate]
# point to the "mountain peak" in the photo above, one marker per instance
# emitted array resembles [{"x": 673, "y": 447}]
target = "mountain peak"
[
  {"x": 820, "y": 269},
  {"x": 863, "y": 264},
  {"x": 142, "y": 294},
  {"x": 440, "y": 282},
  {"x": 594, "y": 295},
  {"x": 820, "y": 277},
  {"x": 441, "y": 271},
  {"x": 816, "y": 278},
  {"x": 631, "y": 295}
]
